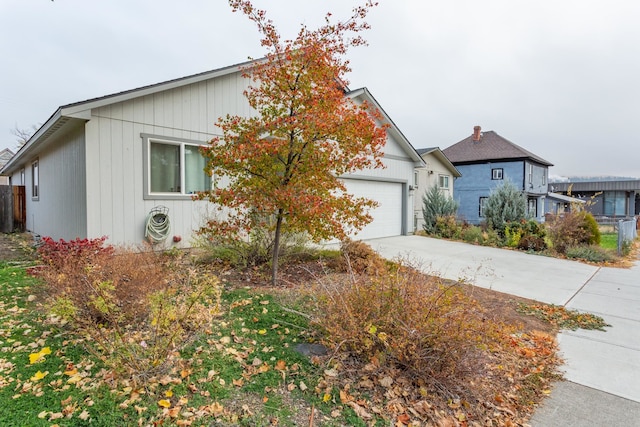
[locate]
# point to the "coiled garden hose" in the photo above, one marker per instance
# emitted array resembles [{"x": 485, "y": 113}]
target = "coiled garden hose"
[{"x": 158, "y": 225}]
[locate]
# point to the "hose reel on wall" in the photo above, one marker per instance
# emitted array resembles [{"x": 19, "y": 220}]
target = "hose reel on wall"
[{"x": 158, "y": 225}]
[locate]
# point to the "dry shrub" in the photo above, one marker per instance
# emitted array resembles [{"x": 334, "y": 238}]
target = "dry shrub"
[
  {"x": 572, "y": 229},
  {"x": 136, "y": 307},
  {"x": 85, "y": 271},
  {"x": 358, "y": 257},
  {"x": 407, "y": 319}
]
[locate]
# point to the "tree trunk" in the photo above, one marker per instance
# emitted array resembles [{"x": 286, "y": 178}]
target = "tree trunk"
[{"x": 276, "y": 249}]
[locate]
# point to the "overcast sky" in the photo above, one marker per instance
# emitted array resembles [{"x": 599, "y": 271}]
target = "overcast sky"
[{"x": 561, "y": 78}]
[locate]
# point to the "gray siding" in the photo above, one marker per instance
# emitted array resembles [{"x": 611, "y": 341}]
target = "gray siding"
[
  {"x": 115, "y": 205},
  {"x": 60, "y": 210}
]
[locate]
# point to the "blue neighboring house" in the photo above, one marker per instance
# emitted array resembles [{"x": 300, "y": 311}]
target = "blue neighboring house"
[{"x": 486, "y": 160}]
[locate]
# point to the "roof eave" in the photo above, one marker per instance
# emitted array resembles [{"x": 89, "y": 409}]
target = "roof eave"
[{"x": 393, "y": 129}]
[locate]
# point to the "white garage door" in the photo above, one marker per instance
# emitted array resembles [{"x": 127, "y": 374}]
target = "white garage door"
[{"x": 387, "y": 217}]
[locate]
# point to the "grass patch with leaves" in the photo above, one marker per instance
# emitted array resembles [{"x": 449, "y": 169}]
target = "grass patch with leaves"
[
  {"x": 562, "y": 317},
  {"x": 242, "y": 367}
]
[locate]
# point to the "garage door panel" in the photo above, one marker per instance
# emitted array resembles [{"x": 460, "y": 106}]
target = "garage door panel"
[{"x": 387, "y": 216}]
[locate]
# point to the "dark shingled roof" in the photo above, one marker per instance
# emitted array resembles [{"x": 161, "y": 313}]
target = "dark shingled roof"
[{"x": 491, "y": 147}]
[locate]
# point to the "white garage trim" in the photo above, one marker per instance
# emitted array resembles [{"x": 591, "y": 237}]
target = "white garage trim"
[{"x": 390, "y": 217}]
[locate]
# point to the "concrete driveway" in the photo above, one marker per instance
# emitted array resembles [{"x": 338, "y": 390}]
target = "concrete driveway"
[{"x": 602, "y": 368}]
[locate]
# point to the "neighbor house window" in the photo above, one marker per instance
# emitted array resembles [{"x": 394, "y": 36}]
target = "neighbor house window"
[
  {"x": 532, "y": 208},
  {"x": 544, "y": 178},
  {"x": 530, "y": 174},
  {"x": 415, "y": 179},
  {"x": 497, "y": 173},
  {"x": 443, "y": 181},
  {"x": 35, "y": 179},
  {"x": 483, "y": 202},
  {"x": 615, "y": 203},
  {"x": 22, "y": 180},
  {"x": 174, "y": 167}
]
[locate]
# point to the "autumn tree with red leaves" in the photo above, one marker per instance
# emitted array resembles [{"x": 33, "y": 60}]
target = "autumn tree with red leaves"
[{"x": 284, "y": 163}]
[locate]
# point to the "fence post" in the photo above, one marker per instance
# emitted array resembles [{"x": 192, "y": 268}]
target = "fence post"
[{"x": 626, "y": 232}]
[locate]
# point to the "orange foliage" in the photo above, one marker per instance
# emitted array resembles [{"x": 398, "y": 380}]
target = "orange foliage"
[{"x": 285, "y": 161}]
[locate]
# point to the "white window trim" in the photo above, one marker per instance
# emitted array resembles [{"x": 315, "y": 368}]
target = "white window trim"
[
  {"x": 530, "y": 174},
  {"x": 443, "y": 178},
  {"x": 495, "y": 172},
  {"x": 147, "y": 139},
  {"x": 35, "y": 179},
  {"x": 481, "y": 207}
]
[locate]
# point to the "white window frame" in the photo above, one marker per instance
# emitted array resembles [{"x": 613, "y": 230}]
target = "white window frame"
[
  {"x": 147, "y": 141},
  {"x": 444, "y": 178},
  {"x": 416, "y": 179},
  {"x": 481, "y": 204},
  {"x": 532, "y": 207},
  {"x": 530, "y": 174},
  {"x": 22, "y": 177},
  {"x": 497, "y": 173},
  {"x": 35, "y": 179}
]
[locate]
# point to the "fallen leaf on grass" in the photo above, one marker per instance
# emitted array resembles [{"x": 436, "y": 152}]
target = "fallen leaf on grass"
[
  {"x": 39, "y": 375},
  {"x": 360, "y": 411},
  {"x": 39, "y": 356},
  {"x": 164, "y": 403}
]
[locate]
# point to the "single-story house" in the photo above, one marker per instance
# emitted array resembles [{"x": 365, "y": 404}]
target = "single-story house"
[
  {"x": 438, "y": 170},
  {"x": 486, "y": 160},
  {"x": 605, "y": 197},
  {"x": 99, "y": 167}
]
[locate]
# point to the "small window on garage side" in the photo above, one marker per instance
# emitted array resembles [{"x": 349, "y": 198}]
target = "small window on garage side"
[
  {"x": 35, "y": 180},
  {"x": 22, "y": 177},
  {"x": 497, "y": 173},
  {"x": 443, "y": 181}
]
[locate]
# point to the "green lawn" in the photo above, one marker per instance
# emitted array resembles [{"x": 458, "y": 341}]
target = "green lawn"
[{"x": 609, "y": 241}]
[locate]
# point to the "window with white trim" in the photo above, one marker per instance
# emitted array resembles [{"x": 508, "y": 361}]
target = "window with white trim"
[
  {"x": 443, "y": 181},
  {"x": 35, "y": 179},
  {"x": 481, "y": 205},
  {"x": 22, "y": 177},
  {"x": 530, "y": 174},
  {"x": 497, "y": 173},
  {"x": 174, "y": 168}
]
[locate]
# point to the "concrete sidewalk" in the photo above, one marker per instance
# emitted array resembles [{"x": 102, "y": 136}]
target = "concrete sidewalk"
[{"x": 602, "y": 369}]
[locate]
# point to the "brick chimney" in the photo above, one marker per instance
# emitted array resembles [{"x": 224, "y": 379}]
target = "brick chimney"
[{"x": 476, "y": 134}]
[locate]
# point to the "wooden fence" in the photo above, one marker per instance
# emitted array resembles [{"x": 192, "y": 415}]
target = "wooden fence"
[{"x": 13, "y": 214}]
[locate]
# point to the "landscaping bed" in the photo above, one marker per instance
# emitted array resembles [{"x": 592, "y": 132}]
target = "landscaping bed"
[{"x": 244, "y": 366}]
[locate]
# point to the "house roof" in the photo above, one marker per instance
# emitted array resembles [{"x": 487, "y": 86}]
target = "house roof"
[
  {"x": 68, "y": 115},
  {"x": 364, "y": 93},
  {"x": 490, "y": 147},
  {"x": 595, "y": 186},
  {"x": 5, "y": 156},
  {"x": 563, "y": 198},
  {"x": 437, "y": 153}
]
